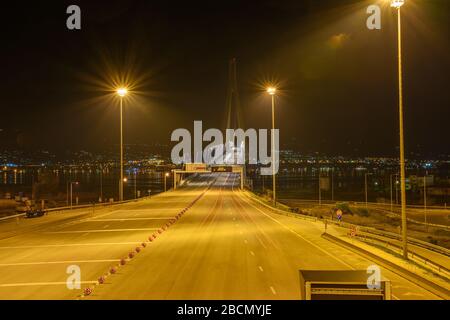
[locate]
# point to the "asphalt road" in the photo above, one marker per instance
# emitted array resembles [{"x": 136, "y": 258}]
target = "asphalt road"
[{"x": 225, "y": 247}]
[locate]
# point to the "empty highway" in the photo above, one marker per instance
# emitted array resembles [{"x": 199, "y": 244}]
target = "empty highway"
[{"x": 226, "y": 246}]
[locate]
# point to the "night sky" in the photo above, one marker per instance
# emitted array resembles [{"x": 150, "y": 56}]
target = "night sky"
[{"x": 337, "y": 79}]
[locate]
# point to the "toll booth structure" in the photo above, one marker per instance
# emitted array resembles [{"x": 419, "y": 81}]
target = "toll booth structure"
[{"x": 203, "y": 169}]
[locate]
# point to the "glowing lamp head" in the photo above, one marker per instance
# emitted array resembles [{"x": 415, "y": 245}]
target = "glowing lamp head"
[
  {"x": 397, "y": 3},
  {"x": 125, "y": 179},
  {"x": 271, "y": 91},
  {"x": 122, "y": 92},
  {"x": 167, "y": 174}
]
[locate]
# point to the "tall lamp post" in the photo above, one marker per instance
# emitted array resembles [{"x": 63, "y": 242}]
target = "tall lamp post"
[
  {"x": 135, "y": 183},
  {"x": 397, "y": 4},
  {"x": 166, "y": 175},
  {"x": 122, "y": 92},
  {"x": 272, "y": 91},
  {"x": 71, "y": 193},
  {"x": 425, "y": 198},
  {"x": 392, "y": 190}
]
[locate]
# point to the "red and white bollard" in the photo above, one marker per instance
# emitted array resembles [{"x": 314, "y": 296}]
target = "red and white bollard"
[{"x": 87, "y": 291}]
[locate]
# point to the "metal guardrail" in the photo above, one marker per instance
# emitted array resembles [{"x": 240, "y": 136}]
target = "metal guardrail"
[
  {"x": 412, "y": 255},
  {"x": 346, "y": 225},
  {"x": 425, "y": 283},
  {"x": 388, "y": 205},
  {"x": 83, "y": 206},
  {"x": 373, "y": 206}
]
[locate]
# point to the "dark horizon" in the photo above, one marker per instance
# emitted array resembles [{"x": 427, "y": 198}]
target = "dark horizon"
[{"x": 337, "y": 78}]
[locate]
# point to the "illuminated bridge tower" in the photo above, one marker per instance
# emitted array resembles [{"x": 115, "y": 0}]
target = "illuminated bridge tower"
[
  {"x": 233, "y": 104},
  {"x": 234, "y": 116}
]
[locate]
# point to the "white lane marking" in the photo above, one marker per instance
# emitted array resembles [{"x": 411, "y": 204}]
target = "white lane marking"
[
  {"x": 129, "y": 219},
  {"x": 413, "y": 294},
  {"x": 297, "y": 234},
  {"x": 115, "y": 212},
  {"x": 273, "y": 290},
  {"x": 29, "y": 284},
  {"x": 252, "y": 253},
  {"x": 93, "y": 231},
  {"x": 72, "y": 245},
  {"x": 106, "y": 226},
  {"x": 260, "y": 268},
  {"x": 55, "y": 262},
  {"x": 151, "y": 209}
]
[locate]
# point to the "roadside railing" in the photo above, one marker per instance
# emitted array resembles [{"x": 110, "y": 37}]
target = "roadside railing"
[
  {"x": 350, "y": 226},
  {"x": 440, "y": 269},
  {"x": 383, "y": 204},
  {"x": 380, "y": 207},
  {"x": 83, "y": 206}
]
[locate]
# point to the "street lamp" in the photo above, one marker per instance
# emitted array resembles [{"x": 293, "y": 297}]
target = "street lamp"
[
  {"x": 165, "y": 181},
  {"x": 392, "y": 189},
  {"x": 365, "y": 187},
  {"x": 135, "y": 183},
  {"x": 397, "y": 4},
  {"x": 121, "y": 92},
  {"x": 71, "y": 193},
  {"x": 271, "y": 91},
  {"x": 425, "y": 198}
]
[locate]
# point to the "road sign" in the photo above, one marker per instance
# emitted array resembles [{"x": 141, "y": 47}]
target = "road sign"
[
  {"x": 222, "y": 169},
  {"x": 198, "y": 167},
  {"x": 339, "y": 214}
]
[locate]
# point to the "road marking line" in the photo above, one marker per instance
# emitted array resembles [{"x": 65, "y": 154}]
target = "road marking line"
[
  {"x": 5, "y": 285},
  {"x": 296, "y": 233},
  {"x": 94, "y": 231},
  {"x": 128, "y": 219},
  {"x": 55, "y": 262},
  {"x": 260, "y": 269},
  {"x": 106, "y": 226},
  {"x": 252, "y": 253},
  {"x": 72, "y": 245},
  {"x": 273, "y": 290}
]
